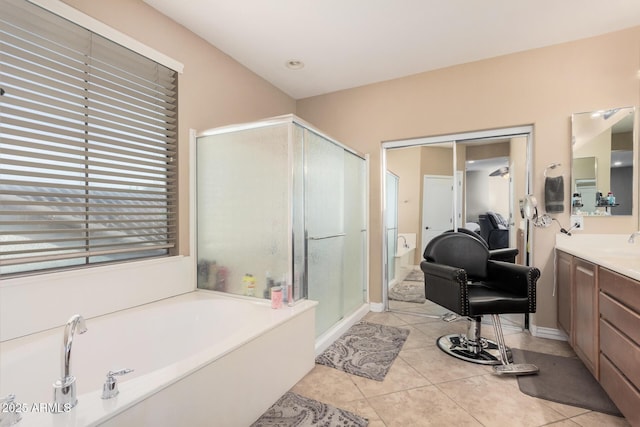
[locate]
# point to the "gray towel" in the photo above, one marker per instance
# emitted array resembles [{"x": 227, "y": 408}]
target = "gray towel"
[{"x": 554, "y": 194}]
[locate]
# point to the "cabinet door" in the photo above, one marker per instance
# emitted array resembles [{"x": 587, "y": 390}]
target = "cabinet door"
[
  {"x": 585, "y": 322},
  {"x": 565, "y": 292}
]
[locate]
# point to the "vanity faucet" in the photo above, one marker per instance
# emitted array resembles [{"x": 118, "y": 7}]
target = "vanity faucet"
[
  {"x": 64, "y": 390},
  {"x": 406, "y": 245},
  {"x": 632, "y": 238}
]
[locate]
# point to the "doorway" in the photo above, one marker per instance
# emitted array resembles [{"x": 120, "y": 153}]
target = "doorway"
[{"x": 441, "y": 199}]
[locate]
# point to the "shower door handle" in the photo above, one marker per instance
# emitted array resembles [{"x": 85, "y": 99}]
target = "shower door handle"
[{"x": 330, "y": 236}]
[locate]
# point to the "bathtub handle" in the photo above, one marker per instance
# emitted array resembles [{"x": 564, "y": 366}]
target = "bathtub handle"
[
  {"x": 11, "y": 411},
  {"x": 330, "y": 236},
  {"x": 110, "y": 387}
]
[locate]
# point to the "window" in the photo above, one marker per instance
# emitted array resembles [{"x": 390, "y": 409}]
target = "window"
[{"x": 88, "y": 170}]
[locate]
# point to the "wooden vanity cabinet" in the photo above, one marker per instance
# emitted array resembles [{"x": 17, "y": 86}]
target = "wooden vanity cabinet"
[
  {"x": 577, "y": 293},
  {"x": 585, "y": 314},
  {"x": 599, "y": 310},
  {"x": 564, "y": 280},
  {"x": 620, "y": 341}
]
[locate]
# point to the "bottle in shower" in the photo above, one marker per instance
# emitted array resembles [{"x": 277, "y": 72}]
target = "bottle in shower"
[{"x": 249, "y": 285}]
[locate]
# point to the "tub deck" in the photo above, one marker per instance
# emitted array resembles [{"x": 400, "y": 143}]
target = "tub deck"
[{"x": 197, "y": 344}]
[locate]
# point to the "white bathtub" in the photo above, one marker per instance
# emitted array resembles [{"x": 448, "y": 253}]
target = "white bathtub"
[
  {"x": 199, "y": 359},
  {"x": 404, "y": 257}
]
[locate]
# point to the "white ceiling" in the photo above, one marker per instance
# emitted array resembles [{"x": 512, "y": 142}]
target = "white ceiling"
[{"x": 350, "y": 43}]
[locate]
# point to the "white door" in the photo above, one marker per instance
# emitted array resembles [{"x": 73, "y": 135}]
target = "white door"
[{"x": 437, "y": 207}]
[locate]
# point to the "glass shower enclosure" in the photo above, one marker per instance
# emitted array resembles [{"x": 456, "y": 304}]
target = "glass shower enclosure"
[{"x": 282, "y": 206}]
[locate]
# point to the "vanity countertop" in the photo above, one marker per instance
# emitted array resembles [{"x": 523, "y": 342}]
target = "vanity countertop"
[{"x": 612, "y": 251}]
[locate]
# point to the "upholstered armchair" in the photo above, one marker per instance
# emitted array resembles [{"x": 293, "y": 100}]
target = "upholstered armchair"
[
  {"x": 460, "y": 276},
  {"x": 494, "y": 229},
  {"x": 502, "y": 254}
]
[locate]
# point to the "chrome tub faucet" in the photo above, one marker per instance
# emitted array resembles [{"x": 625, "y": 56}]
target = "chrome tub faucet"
[
  {"x": 10, "y": 411},
  {"x": 110, "y": 386},
  {"x": 632, "y": 237},
  {"x": 64, "y": 390}
]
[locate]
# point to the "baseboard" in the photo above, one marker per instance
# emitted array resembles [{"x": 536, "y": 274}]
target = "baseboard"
[
  {"x": 550, "y": 333},
  {"x": 376, "y": 307},
  {"x": 326, "y": 339}
]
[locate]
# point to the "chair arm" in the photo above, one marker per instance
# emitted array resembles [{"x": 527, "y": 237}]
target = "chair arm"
[
  {"x": 518, "y": 279},
  {"x": 446, "y": 286},
  {"x": 505, "y": 254}
]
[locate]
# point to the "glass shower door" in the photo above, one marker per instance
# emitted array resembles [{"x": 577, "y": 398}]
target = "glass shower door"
[
  {"x": 325, "y": 228},
  {"x": 356, "y": 232}
]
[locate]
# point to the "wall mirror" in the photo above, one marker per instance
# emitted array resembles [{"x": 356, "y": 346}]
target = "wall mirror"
[
  {"x": 602, "y": 144},
  {"x": 436, "y": 184}
]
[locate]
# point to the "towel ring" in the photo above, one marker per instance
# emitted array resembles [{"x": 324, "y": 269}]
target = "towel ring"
[{"x": 551, "y": 166}]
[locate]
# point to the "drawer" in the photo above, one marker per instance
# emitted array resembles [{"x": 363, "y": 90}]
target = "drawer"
[
  {"x": 622, "y": 393},
  {"x": 621, "y": 317},
  {"x": 620, "y": 288},
  {"x": 622, "y": 352}
]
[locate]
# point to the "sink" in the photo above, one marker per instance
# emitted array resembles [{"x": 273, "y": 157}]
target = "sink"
[{"x": 630, "y": 251}]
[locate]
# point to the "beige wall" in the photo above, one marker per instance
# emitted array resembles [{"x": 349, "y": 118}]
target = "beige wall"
[
  {"x": 214, "y": 89},
  {"x": 405, "y": 163},
  {"x": 542, "y": 87}
]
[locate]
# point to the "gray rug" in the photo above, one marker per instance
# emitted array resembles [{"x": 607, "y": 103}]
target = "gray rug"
[
  {"x": 408, "y": 291},
  {"x": 366, "y": 349},
  {"x": 415, "y": 276},
  {"x": 564, "y": 380},
  {"x": 293, "y": 410}
]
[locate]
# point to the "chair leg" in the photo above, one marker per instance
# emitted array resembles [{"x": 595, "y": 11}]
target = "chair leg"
[
  {"x": 471, "y": 347},
  {"x": 507, "y": 367}
]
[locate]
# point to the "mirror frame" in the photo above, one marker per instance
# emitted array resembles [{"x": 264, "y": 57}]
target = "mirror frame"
[
  {"x": 603, "y": 211},
  {"x": 511, "y": 132}
]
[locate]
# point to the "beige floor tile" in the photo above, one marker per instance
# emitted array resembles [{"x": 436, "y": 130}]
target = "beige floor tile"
[
  {"x": 384, "y": 318},
  {"x": 401, "y": 376},
  {"x": 525, "y": 341},
  {"x": 328, "y": 385},
  {"x": 425, "y": 406},
  {"x": 426, "y": 309},
  {"x": 566, "y": 410},
  {"x": 437, "y": 366},
  {"x": 460, "y": 393},
  {"x": 417, "y": 339},
  {"x": 496, "y": 401},
  {"x": 564, "y": 423},
  {"x": 434, "y": 330},
  {"x": 597, "y": 419},
  {"x": 364, "y": 409},
  {"x": 413, "y": 318}
]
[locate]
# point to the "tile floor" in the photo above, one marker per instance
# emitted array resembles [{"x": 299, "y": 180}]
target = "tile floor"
[{"x": 425, "y": 387}]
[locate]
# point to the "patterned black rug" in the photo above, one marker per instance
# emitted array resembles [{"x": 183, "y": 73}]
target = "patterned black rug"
[
  {"x": 366, "y": 349},
  {"x": 293, "y": 410}
]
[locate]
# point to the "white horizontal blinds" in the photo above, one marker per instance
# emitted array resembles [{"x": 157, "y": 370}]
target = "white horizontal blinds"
[{"x": 87, "y": 146}]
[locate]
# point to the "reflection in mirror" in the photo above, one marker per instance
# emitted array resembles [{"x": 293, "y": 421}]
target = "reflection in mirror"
[
  {"x": 425, "y": 197},
  {"x": 421, "y": 177},
  {"x": 602, "y": 162},
  {"x": 438, "y": 180},
  {"x": 495, "y": 182}
]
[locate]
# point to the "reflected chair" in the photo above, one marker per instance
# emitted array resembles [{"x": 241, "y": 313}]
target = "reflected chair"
[
  {"x": 460, "y": 276},
  {"x": 494, "y": 229},
  {"x": 502, "y": 254}
]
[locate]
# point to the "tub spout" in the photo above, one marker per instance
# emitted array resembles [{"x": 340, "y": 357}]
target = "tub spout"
[
  {"x": 633, "y": 236},
  {"x": 64, "y": 390}
]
